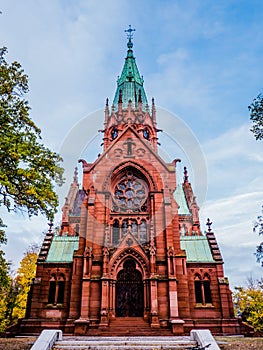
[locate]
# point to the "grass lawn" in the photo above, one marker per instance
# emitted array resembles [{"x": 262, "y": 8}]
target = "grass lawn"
[
  {"x": 237, "y": 343},
  {"x": 16, "y": 343}
]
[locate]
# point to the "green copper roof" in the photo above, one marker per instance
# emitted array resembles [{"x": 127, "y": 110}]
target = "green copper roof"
[
  {"x": 197, "y": 249},
  {"x": 179, "y": 196},
  {"x": 62, "y": 248},
  {"x": 130, "y": 83}
]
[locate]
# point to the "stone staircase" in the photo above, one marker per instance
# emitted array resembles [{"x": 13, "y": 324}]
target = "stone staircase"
[
  {"x": 124, "y": 343},
  {"x": 129, "y": 326}
]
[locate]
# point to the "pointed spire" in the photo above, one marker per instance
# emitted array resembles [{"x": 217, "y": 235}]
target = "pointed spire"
[
  {"x": 107, "y": 113},
  {"x": 130, "y": 80},
  {"x": 75, "y": 177},
  {"x": 50, "y": 224},
  {"x": 185, "y": 175},
  {"x": 153, "y": 112}
]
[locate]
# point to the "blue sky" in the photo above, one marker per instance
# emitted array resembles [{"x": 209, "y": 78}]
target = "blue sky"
[{"x": 201, "y": 60}]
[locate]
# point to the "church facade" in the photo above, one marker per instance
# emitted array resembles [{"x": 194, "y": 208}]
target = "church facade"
[{"x": 130, "y": 245}]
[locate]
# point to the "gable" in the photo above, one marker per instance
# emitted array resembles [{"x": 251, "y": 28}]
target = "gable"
[{"x": 129, "y": 145}]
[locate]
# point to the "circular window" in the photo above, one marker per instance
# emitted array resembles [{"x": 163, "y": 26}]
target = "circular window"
[{"x": 130, "y": 193}]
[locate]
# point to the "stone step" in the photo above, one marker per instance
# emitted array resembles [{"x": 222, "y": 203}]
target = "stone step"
[
  {"x": 125, "y": 343},
  {"x": 129, "y": 326},
  {"x": 114, "y": 333}
]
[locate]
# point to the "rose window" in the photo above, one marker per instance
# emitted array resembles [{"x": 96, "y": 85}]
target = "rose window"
[{"x": 130, "y": 193}]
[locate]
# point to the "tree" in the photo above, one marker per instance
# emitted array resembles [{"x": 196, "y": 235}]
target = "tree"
[
  {"x": 13, "y": 295},
  {"x": 25, "y": 274},
  {"x": 28, "y": 174},
  {"x": 3, "y": 262},
  {"x": 4, "y": 279},
  {"x": 248, "y": 303},
  {"x": 256, "y": 115},
  {"x": 28, "y": 169},
  {"x": 258, "y": 227}
]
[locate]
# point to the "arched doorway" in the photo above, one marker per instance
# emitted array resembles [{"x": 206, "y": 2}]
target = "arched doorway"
[{"x": 129, "y": 291}]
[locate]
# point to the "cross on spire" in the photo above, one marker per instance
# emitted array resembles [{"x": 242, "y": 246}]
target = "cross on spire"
[
  {"x": 129, "y": 36},
  {"x": 129, "y": 32}
]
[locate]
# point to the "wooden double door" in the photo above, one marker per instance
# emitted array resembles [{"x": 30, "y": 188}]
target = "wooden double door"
[{"x": 129, "y": 291}]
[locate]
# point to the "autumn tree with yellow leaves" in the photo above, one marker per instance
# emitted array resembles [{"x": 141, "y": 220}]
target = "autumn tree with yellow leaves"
[
  {"x": 248, "y": 303},
  {"x": 13, "y": 297}
]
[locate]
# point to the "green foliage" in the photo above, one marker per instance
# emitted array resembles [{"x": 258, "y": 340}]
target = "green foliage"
[
  {"x": 28, "y": 174},
  {"x": 258, "y": 227},
  {"x": 4, "y": 279},
  {"x": 248, "y": 303},
  {"x": 28, "y": 170},
  {"x": 256, "y": 115},
  {"x": 3, "y": 262}
]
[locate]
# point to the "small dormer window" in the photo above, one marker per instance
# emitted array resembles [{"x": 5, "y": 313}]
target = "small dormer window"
[
  {"x": 146, "y": 134},
  {"x": 114, "y": 134}
]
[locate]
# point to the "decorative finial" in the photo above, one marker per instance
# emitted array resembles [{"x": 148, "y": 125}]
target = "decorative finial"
[
  {"x": 50, "y": 224},
  {"x": 208, "y": 224},
  {"x": 129, "y": 36},
  {"x": 185, "y": 174},
  {"x": 75, "y": 178},
  {"x": 107, "y": 102}
]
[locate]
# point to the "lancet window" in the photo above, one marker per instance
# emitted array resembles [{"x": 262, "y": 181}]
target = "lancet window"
[
  {"x": 202, "y": 289},
  {"x": 120, "y": 228},
  {"x": 56, "y": 289}
]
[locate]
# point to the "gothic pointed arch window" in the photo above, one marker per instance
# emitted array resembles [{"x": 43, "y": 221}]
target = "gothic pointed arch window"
[
  {"x": 202, "y": 289},
  {"x": 115, "y": 232},
  {"x": 134, "y": 227},
  {"x": 139, "y": 229},
  {"x": 124, "y": 227},
  {"x": 56, "y": 289},
  {"x": 207, "y": 289},
  {"x": 143, "y": 231},
  {"x": 52, "y": 289}
]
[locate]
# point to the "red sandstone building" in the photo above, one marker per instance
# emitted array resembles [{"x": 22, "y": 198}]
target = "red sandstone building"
[{"x": 130, "y": 251}]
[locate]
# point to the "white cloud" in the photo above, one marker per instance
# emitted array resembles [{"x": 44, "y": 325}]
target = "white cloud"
[
  {"x": 238, "y": 142},
  {"x": 232, "y": 223},
  {"x": 236, "y": 195},
  {"x": 22, "y": 232}
]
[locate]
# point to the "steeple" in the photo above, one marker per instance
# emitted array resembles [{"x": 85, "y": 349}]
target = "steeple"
[{"x": 130, "y": 83}]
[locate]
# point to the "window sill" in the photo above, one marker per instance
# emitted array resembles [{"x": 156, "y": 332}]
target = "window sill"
[
  {"x": 204, "y": 306},
  {"x": 55, "y": 306}
]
